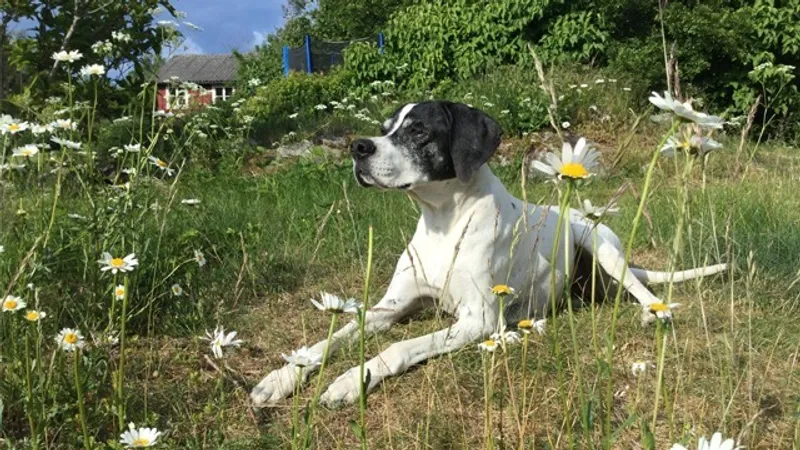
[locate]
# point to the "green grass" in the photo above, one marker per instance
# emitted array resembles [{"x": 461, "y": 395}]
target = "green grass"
[{"x": 274, "y": 241}]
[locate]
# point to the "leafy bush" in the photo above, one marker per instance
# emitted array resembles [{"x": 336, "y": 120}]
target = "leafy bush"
[{"x": 276, "y": 103}]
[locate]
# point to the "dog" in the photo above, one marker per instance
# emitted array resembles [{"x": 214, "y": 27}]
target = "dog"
[{"x": 472, "y": 235}]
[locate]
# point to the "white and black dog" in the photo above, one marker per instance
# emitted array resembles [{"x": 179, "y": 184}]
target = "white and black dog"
[{"x": 471, "y": 236}]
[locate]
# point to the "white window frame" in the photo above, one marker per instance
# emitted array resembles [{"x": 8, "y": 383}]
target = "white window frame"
[{"x": 227, "y": 92}]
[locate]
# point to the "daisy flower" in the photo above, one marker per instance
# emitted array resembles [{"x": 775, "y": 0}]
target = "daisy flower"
[
  {"x": 64, "y": 124},
  {"x": 506, "y": 337},
  {"x": 107, "y": 339},
  {"x": 716, "y": 443},
  {"x": 639, "y": 367},
  {"x": 219, "y": 340},
  {"x": 663, "y": 310},
  {"x": 13, "y": 127},
  {"x": 70, "y": 339},
  {"x": 177, "y": 290},
  {"x": 684, "y": 111},
  {"x": 596, "y": 213},
  {"x": 139, "y": 437},
  {"x": 132, "y": 148},
  {"x": 13, "y": 303},
  {"x": 34, "y": 315},
  {"x": 26, "y": 151},
  {"x": 161, "y": 165},
  {"x": 253, "y": 82},
  {"x": 693, "y": 144},
  {"x": 119, "y": 292},
  {"x": 335, "y": 304},
  {"x": 93, "y": 69},
  {"x": 489, "y": 345},
  {"x": 200, "y": 258},
  {"x": 502, "y": 290},
  {"x": 528, "y": 325},
  {"x": 190, "y": 201},
  {"x": 126, "y": 264},
  {"x": 573, "y": 165},
  {"x": 293, "y": 116},
  {"x": 303, "y": 357},
  {"x": 321, "y": 107},
  {"x": 565, "y": 124},
  {"x": 66, "y": 143},
  {"x": 40, "y": 129}
]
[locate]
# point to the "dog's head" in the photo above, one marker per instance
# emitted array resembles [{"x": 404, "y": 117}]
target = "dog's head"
[{"x": 426, "y": 142}]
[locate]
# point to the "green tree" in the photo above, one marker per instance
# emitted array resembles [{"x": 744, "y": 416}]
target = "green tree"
[{"x": 91, "y": 27}]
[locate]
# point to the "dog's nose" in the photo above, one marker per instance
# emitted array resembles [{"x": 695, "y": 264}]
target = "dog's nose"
[{"x": 363, "y": 148}]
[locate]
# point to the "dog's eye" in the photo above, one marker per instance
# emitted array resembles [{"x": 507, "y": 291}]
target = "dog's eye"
[{"x": 417, "y": 128}]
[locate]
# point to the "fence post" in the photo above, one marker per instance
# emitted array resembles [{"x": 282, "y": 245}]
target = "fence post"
[
  {"x": 286, "y": 60},
  {"x": 308, "y": 53},
  {"x": 380, "y": 42}
]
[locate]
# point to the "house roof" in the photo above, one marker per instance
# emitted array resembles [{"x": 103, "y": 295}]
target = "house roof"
[{"x": 200, "y": 68}]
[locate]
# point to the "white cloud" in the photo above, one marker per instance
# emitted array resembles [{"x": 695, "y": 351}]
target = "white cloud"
[
  {"x": 259, "y": 37},
  {"x": 189, "y": 46}
]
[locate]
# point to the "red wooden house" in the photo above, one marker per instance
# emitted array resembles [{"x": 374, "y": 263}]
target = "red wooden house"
[{"x": 214, "y": 74}]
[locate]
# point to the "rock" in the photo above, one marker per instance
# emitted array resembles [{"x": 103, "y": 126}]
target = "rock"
[
  {"x": 295, "y": 150},
  {"x": 335, "y": 142}
]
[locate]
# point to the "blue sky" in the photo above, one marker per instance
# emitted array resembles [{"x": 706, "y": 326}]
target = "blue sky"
[{"x": 229, "y": 24}]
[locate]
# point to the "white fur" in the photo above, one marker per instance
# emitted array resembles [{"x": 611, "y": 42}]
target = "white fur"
[
  {"x": 469, "y": 238},
  {"x": 401, "y": 118}
]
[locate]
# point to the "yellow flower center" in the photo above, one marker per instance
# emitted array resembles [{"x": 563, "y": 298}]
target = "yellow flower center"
[
  {"x": 119, "y": 292},
  {"x": 71, "y": 338},
  {"x": 27, "y": 152},
  {"x": 659, "y": 307},
  {"x": 161, "y": 164},
  {"x": 14, "y": 127},
  {"x": 501, "y": 289},
  {"x": 10, "y": 304},
  {"x": 525, "y": 324},
  {"x": 32, "y": 316},
  {"x": 574, "y": 170},
  {"x": 117, "y": 263},
  {"x": 489, "y": 343},
  {"x": 141, "y": 442}
]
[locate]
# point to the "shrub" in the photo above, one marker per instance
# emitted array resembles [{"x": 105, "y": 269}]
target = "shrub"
[{"x": 275, "y": 103}]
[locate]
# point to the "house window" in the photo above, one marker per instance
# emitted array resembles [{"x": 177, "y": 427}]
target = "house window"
[
  {"x": 222, "y": 93},
  {"x": 176, "y": 98}
]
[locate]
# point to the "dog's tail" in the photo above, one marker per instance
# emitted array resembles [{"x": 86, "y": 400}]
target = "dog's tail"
[{"x": 655, "y": 277}]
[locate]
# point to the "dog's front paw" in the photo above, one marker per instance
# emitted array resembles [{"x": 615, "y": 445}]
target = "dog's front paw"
[
  {"x": 276, "y": 386},
  {"x": 345, "y": 390}
]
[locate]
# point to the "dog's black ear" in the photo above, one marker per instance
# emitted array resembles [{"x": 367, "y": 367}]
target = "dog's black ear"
[{"x": 474, "y": 136}]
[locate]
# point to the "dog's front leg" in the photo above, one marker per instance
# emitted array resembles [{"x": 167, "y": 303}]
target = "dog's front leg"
[
  {"x": 402, "y": 298},
  {"x": 404, "y": 354}
]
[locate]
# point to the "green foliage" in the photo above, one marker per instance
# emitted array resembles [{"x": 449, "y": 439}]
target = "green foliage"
[
  {"x": 265, "y": 62},
  {"x": 276, "y": 103},
  {"x": 577, "y": 36},
  {"x": 79, "y": 26},
  {"x": 509, "y": 94}
]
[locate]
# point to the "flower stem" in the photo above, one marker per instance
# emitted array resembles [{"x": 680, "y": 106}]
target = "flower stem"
[
  {"x": 361, "y": 362},
  {"x": 618, "y": 297},
  {"x": 554, "y": 296},
  {"x": 488, "y": 363},
  {"x": 29, "y": 384},
  {"x": 318, "y": 390},
  {"x": 79, "y": 391},
  {"x": 121, "y": 372}
]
